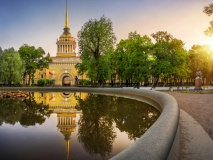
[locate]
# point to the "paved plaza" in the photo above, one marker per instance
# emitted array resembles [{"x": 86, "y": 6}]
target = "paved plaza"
[{"x": 196, "y": 125}]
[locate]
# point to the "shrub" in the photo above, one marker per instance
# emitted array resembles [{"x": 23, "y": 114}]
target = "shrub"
[
  {"x": 41, "y": 82},
  {"x": 49, "y": 82},
  {"x": 84, "y": 82}
]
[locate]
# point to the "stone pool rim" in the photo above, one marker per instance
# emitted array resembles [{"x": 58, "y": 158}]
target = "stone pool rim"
[{"x": 157, "y": 142}]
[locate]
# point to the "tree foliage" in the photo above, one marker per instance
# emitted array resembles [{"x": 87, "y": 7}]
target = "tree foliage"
[
  {"x": 33, "y": 59},
  {"x": 200, "y": 57},
  {"x": 1, "y": 51},
  {"x": 209, "y": 11},
  {"x": 169, "y": 57},
  {"x": 96, "y": 40},
  {"x": 10, "y": 66},
  {"x": 132, "y": 58}
]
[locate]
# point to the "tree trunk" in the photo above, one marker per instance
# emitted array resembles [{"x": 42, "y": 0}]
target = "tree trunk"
[
  {"x": 100, "y": 83},
  {"x": 111, "y": 81},
  {"x": 165, "y": 82},
  {"x": 29, "y": 80},
  {"x": 126, "y": 82},
  {"x": 155, "y": 82}
]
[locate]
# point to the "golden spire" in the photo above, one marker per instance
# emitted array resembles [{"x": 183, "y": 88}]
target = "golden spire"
[{"x": 66, "y": 17}]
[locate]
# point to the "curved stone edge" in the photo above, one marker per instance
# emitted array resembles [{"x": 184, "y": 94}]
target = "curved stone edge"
[
  {"x": 196, "y": 143},
  {"x": 157, "y": 141}
]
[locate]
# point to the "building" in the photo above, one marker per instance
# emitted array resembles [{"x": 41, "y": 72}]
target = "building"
[{"x": 62, "y": 69}]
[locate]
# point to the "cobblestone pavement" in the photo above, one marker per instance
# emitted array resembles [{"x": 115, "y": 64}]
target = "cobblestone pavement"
[{"x": 199, "y": 106}]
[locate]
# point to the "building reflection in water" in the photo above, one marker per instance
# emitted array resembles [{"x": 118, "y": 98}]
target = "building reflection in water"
[{"x": 62, "y": 104}]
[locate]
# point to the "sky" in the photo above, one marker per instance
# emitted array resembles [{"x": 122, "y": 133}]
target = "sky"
[{"x": 40, "y": 23}]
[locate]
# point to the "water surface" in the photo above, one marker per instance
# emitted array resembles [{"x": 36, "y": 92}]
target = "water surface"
[{"x": 61, "y": 126}]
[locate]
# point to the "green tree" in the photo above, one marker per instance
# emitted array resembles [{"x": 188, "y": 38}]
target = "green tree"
[
  {"x": 209, "y": 11},
  {"x": 200, "y": 57},
  {"x": 33, "y": 59},
  {"x": 132, "y": 58},
  {"x": 10, "y": 66},
  {"x": 1, "y": 51},
  {"x": 170, "y": 58},
  {"x": 96, "y": 40}
]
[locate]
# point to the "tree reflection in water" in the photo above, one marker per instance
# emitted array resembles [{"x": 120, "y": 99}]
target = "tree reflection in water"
[
  {"x": 26, "y": 111},
  {"x": 134, "y": 117},
  {"x": 96, "y": 131}
]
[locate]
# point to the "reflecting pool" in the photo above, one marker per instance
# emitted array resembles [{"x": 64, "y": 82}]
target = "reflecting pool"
[{"x": 60, "y": 126}]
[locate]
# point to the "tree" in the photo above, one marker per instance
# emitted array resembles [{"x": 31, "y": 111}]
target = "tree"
[
  {"x": 33, "y": 59},
  {"x": 1, "y": 51},
  {"x": 10, "y": 66},
  {"x": 96, "y": 40},
  {"x": 132, "y": 58},
  {"x": 169, "y": 58},
  {"x": 201, "y": 57},
  {"x": 209, "y": 11}
]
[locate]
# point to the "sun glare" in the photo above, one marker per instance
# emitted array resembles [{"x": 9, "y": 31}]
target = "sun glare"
[{"x": 209, "y": 41}]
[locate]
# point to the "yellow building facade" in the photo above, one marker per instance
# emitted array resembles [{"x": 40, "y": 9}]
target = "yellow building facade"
[{"x": 62, "y": 69}]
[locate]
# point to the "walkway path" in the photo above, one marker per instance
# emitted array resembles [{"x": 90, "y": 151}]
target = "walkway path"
[{"x": 196, "y": 125}]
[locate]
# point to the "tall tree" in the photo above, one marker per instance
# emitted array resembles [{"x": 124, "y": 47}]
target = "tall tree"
[
  {"x": 132, "y": 58},
  {"x": 209, "y": 11},
  {"x": 33, "y": 59},
  {"x": 170, "y": 57},
  {"x": 96, "y": 40},
  {"x": 10, "y": 66},
  {"x": 200, "y": 57}
]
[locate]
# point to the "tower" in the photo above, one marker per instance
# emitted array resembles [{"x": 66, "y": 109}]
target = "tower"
[
  {"x": 62, "y": 68},
  {"x": 66, "y": 44}
]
